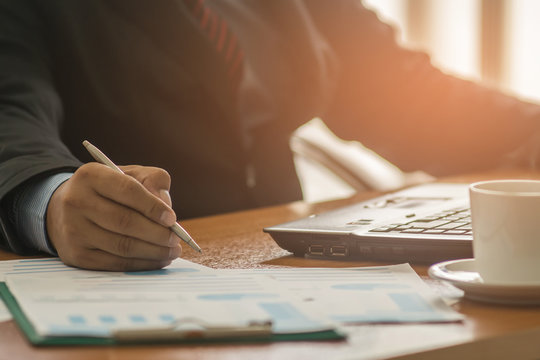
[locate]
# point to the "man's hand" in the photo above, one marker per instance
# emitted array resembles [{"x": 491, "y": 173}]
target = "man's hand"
[{"x": 104, "y": 220}]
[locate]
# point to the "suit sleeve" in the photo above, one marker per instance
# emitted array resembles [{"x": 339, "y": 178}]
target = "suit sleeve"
[
  {"x": 30, "y": 108},
  {"x": 397, "y": 103}
]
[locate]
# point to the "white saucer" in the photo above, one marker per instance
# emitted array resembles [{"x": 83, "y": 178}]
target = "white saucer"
[{"x": 462, "y": 274}]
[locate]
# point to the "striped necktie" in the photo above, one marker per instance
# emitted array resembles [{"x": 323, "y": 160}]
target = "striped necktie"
[{"x": 220, "y": 36}]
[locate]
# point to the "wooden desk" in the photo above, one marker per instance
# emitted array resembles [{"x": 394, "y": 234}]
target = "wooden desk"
[{"x": 236, "y": 241}]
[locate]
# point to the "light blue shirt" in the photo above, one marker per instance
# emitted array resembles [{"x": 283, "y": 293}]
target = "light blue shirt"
[{"x": 30, "y": 210}]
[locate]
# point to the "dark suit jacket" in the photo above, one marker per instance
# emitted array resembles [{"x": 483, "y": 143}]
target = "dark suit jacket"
[{"x": 140, "y": 80}]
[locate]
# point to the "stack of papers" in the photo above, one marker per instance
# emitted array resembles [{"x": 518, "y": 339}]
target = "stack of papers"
[{"x": 185, "y": 302}]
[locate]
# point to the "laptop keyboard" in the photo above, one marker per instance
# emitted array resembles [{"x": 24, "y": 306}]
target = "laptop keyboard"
[{"x": 449, "y": 222}]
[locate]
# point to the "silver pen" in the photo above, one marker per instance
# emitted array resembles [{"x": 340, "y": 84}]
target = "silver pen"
[{"x": 102, "y": 158}]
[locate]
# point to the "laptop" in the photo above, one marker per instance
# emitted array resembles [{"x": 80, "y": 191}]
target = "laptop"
[{"x": 426, "y": 223}]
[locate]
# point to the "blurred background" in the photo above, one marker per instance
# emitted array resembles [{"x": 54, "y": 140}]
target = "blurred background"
[{"x": 492, "y": 41}]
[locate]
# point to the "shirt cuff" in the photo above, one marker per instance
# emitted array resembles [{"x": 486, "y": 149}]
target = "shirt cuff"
[{"x": 30, "y": 211}]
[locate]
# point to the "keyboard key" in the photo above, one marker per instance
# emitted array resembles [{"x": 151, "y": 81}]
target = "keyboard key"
[
  {"x": 455, "y": 232},
  {"x": 428, "y": 225},
  {"x": 434, "y": 231},
  {"x": 450, "y": 225},
  {"x": 429, "y": 218},
  {"x": 412, "y": 231},
  {"x": 383, "y": 229}
]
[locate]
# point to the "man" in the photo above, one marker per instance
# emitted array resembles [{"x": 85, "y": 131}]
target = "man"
[{"x": 153, "y": 83}]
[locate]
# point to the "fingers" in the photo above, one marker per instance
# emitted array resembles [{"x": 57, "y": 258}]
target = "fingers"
[
  {"x": 117, "y": 252},
  {"x": 131, "y": 247},
  {"x": 95, "y": 259},
  {"x": 127, "y": 191},
  {"x": 102, "y": 219},
  {"x": 122, "y": 219}
]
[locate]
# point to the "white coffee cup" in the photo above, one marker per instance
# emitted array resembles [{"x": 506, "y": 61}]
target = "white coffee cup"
[{"x": 506, "y": 230}]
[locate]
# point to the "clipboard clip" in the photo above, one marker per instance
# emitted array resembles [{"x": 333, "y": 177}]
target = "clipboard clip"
[{"x": 193, "y": 329}]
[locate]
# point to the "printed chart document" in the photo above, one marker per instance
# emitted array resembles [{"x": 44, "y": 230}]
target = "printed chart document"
[
  {"x": 186, "y": 301},
  {"x": 24, "y": 265},
  {"x": 365, "y": 295}
]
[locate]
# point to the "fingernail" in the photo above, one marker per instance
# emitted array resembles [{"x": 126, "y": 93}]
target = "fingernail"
[
  {"x": 168, "y": 218},
  {"x": 165, "y": 196},
  {"x": 175, "y": 252},
  {"x": 173, "y": 240}
]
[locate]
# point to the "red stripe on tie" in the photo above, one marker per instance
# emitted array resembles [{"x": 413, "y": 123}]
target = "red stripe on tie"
[
  {"x": 230, "y": 49},
  {"x": 205, "y": 17},
  {"x": 216, "y": 30},
  {"x": 222, "y": 36},
  {"x": 197, "y": 8},
  {"x": 213, "y": 26}
]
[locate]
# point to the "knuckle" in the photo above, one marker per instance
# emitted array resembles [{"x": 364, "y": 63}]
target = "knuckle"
[
  {"x": 124, "y": 246},
  {"x": 85, "y": 171},
  {"x": 72, "y": 199},
  {"x": 130, "y": 168},
  {"x": 155, "y": 210},
  {"x": 125, "y": 220},
  {"x": 125, "y": 184},
  {"x": 157, "y": 177},
  {"x": 164, "y": 174}
]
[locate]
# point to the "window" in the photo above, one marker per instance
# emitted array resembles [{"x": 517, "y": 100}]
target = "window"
[{"x": 489, "y": 40}]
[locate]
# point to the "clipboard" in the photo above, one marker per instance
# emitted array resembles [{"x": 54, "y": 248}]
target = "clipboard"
[{"x": 173, "y": 334}]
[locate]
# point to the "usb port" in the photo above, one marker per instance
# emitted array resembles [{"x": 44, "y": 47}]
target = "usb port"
[
  {"x": 338, "y": 250},
  {"x": 316, "y": 250}
]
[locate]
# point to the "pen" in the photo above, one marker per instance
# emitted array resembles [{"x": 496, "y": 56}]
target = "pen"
[{"x": 102, "y": 158}]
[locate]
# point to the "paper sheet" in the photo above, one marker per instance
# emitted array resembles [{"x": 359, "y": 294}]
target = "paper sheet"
[
  {"x": 64, "y": 301},
  {"x": 365, "y": 295},
  {"x": 90, "y": 303},
  {"x": 380, "y": 341},
  {"x": 25, "y": 265}
]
